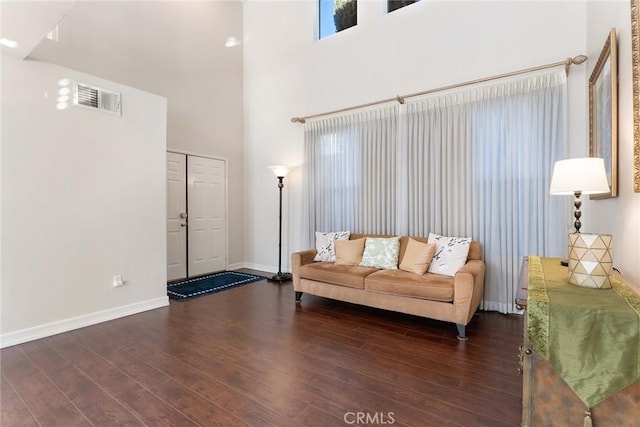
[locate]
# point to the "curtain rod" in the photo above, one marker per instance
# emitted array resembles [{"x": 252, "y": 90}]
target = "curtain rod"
[{"x": 579, "y": 59}]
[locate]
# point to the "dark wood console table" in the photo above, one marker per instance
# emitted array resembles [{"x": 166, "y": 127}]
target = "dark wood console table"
[{"x": 547, "y": 399}]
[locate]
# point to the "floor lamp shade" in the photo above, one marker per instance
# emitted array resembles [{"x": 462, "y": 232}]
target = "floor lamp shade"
[
  {"x": 590, "y": 260},
  {"x": 279, "y": 171}
]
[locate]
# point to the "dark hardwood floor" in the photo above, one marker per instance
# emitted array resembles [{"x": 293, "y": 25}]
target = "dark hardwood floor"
[{"x": 250, "y": 356}]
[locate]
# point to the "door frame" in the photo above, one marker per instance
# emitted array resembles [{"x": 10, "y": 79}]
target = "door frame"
[
  {"x": 182, "y": 270},
  {"x": 226, "y": 197}
]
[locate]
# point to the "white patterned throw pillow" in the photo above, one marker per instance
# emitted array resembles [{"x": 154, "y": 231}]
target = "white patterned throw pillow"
[
  {"x": 381, "y": 253},
  {"x": 325, "y": 247},
  {"x": 451, "y": 254}
]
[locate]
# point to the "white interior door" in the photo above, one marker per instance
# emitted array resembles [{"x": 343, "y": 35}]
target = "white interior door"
[
  {"x": 207, "y": 233},
  {"x": 176, "y": 216}
]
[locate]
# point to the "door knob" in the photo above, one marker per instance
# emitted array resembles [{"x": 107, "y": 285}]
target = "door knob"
[{"x": 183, "y": 215}]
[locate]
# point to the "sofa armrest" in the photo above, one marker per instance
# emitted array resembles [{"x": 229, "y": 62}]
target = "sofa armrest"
[
  {"x": 474, "y": 267},
  {"x": 467, "y": 290},
  {"x": 299, "y": 259}
]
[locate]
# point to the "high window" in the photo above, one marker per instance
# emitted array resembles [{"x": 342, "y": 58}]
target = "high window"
[
  {"x": 397, "y": 4},
  {"x": 337, "y": 15}
]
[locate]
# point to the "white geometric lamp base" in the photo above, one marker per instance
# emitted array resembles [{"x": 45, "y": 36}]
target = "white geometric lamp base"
[{"x": 590, "y": 260}]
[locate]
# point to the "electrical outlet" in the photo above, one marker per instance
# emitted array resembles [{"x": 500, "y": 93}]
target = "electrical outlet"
[{"x": 117, "y": 280}]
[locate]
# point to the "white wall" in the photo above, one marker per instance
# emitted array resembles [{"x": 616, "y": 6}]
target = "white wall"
[
  {"x": 619, "y": 216},
  {"x": 83, "y": 199},
  {"x": 174, "y": 49},
  {"x": 426, "y": 45}
]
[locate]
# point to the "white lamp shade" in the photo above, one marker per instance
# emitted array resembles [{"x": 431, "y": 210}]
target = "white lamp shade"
[
  {"x": 586, "y": 174},
  {"x": 279, "y": 170}
]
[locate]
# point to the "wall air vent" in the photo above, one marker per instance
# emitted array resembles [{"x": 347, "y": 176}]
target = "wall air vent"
[{"x": 96, "y": 98}]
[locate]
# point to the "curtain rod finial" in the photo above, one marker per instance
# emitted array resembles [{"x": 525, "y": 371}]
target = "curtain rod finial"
[
  {"x": 579, "y": 59},
  {"x": 297, "y": 119}
]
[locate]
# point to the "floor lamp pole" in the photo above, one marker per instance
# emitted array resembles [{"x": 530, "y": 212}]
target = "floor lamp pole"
[{"x": 280, "y": 276}]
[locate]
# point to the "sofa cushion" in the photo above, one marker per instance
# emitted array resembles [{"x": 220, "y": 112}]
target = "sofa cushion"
[
  {"x": 349, "y": 252},
  {"x": 417, "y": 257},
  {"x": 351, "y": 276},
  {"x": 435, "y": 287},
  {"x": 381, "y": 252},
  {"x": 475, "y": 251}
]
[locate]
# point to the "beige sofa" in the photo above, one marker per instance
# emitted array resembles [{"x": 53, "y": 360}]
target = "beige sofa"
[{"x": 446, "y": 298}]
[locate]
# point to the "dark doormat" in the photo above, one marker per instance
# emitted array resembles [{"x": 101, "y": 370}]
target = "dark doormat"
[{"x": 212, "y": 283}]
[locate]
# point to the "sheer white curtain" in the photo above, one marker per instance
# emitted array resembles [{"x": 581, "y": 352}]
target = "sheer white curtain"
[
  {"x": 480, "y": 165},
  {"x": 475, "y": 164},
  {"x": 350, "y": 172}
]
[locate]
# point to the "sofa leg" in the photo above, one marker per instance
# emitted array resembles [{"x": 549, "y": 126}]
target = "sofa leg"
[
  {"x": 462, "y": 333},
  {"x": 298, "y": 296}
]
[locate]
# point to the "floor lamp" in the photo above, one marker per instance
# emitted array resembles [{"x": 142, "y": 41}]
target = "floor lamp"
[{"x": 280, "y": 172}]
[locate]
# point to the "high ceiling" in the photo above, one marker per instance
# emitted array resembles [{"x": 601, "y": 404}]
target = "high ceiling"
[
  {"x": 130, "y": 41},
  {"x": 28, "y": 22}
]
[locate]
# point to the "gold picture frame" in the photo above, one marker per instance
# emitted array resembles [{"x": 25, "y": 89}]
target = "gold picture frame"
[
  {"x": 603, "y": 113},
  {"x": 635, "y": 61}
]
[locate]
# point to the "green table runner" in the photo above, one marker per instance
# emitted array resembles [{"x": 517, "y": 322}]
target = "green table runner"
[{"x": 591, "y": 337}]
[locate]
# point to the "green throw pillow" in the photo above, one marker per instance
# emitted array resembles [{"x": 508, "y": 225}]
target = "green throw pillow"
[{"x": 381, "y": 252}]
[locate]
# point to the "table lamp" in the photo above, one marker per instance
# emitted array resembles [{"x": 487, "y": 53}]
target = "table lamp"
[{"x": 590, "y": 261}]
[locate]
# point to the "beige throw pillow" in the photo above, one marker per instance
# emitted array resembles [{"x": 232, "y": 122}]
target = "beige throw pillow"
[
  {"x": 349, "y": 252},
  {"x": 417, "y": 257}
]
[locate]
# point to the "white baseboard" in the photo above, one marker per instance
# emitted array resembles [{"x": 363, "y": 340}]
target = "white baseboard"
[
  {"x": 53, "y": 328},
  {"x": 259, "y": 267},
  {"x": 237, "y": 266}
]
